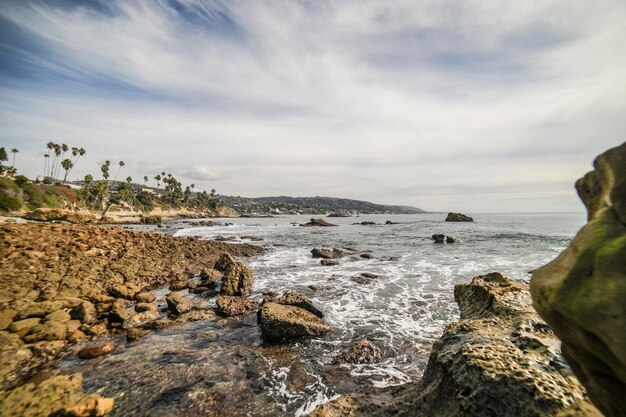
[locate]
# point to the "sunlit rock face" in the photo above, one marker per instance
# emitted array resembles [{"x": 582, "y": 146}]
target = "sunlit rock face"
[{"x": 582, "y": 293}]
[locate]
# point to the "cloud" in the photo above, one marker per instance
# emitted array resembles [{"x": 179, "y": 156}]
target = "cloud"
[{"x": 405, "y": 102}]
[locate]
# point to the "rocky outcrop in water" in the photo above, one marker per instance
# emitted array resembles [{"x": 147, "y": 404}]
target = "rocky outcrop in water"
[
  {"x": 230, "y": 306},
  {"x": 581, "y": 293},
  {"x": 361, "y": 352},
  {"x": 500, "y": 359},
  {"x": 458, "y": 217},
  {"x": 327, "y": 253},
  {"x": 237, "y": 279},
  {"x": 318, "y": 222}
]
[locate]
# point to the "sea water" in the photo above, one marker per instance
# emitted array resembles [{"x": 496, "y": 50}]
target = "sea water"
[{"x": 223, "y": 368}]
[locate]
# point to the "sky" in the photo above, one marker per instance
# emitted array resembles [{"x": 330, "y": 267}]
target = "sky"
[{"x": 474, "y": 106}]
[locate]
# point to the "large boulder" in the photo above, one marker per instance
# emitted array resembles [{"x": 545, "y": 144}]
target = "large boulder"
[
  {"x": 581, "y": 293},
  {"x": 458, "y": 217},
  {"x": 360, "y": 352},
  {"x": 237, "y": 280},
  {"x": 327, "y": 253},
  {"x": 222, "y": 263},
  {"x": 282, "y": 323},
  {"x": 501, "y": 359},
  {"x": 318, "y": 222},
  {"x": 297, "y": 300},
  {"x": 177, "y": 304}
]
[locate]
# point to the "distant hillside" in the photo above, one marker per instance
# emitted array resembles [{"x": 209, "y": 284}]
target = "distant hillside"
[{"x": 313, "y": 205}]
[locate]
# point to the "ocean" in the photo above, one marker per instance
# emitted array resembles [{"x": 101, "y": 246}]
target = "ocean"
[{"x": 223, "y": 367}]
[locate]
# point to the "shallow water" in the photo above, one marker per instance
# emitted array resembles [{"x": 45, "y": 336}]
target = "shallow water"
[{"x": 222, "y": 368}]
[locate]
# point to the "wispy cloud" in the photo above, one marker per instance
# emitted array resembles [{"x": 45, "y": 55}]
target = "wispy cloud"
[{"x": 403, "y": 102}]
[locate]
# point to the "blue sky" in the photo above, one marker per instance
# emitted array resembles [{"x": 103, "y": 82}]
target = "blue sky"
[{"x": 478, "y": 106}]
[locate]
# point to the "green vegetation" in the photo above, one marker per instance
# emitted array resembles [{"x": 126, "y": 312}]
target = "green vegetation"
[{"x": 20, "y": 193}]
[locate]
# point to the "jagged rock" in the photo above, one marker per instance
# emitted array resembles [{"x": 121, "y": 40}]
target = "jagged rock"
[
  {"x": 76, "y": 336},
  {"x": 142, "y": 318},
  {"x": 141, "y": 307},
  {"x": 449, "y": 239},
  {"x": 223, "y": 262},
  {"x": 329, "y": 262},
  {"x": 438, "y": 238},
  {"x": 458, "y": 217},
  {"x": 211, "y": 275},
  {"x": 500, "y": 359},
  {"x": 59, "y": 395},
  {"x": 50, "y": 214},
  {"x": 581, "y": 293},
  {"x": 237, "y": 280},
  {"x": 366, "y": 256},
  {"x": 40, "y": 309},
  {"x": 120, "y": 312},
  {"x": 127, "y": 291},
  {"x": 85, "y": 312},
  {"x": 178, "y": 285},
  {"x": 318, "y": 222},
  {"x": 145, "y": 297},
  {"x": 21, "y": 327},
  {"x": 196, "y": 315},
  {"x": 365, "y": 223},
  {"x": 282, "y": 323},
  {"x": 9, "y": 341},
  {"x": 230, "y": 306},
  {"x": 48, "y": 330},
  {"x": 390, "y": 222},
  {"x": 365, "y": 278},
  {"x": 177, "y": 304},
  {"x": 361, "y": 352},
  {"x": 60, "y": 315},
  {"x": 151, "y": 219},
  {"x": 327, "y": 253},
  {"x": 136, "y": 333},
  {"x": 96, "y": 349},
  {"x": 297, "y": 300}
]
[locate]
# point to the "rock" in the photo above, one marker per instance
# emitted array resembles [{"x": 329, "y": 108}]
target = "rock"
[
  {"x": 177, "y": 304},
  {"x": 581, "y": 293},
  {"x": 120, "y": 313},
  {"x": 192, "y": 284},
  {"x": 329, "y": 262},
  {"x": 50, "y": 214},
  {"x": 141, "y": 307},
  {"x": 202, "y": 305},
  {"x": 48, "y": 330},
  {"x": 59, "y": 395},
  {"x": 151, "y": 219},
  {"x": 361, "y": 352},
  {"x": 365, "y": 278},
  {"x": 327, "y": 253},
  {"x": 85, "y": 312},
  {"x": 282, "y": 323},
  {"x": 237, "y": 280},
  {"x": 9, "y": 341},
  {"x": 76, "y": 336},
  {"x": 224, "y": 260},
  {"x": 178, "y": 285},
  {"x": 390, "y": 222},
  {"x": 72, "y": 326},
  {"x": 60, "y": 315},
  {"x": 314, "y": 288},
  {"x": 142, "y": 318},
  {"x": 211, "y": 275},
  {"x": 196, "y": 315},
  {"x": 366, "y": 256},
  {"x": 366, "y": 223},
  {"x": 21, "y": 327},
  {"x": 252, "y": 238},
  {"x": 6, "y": 317},
  {"x": 145, "y": 297},
  {"x": 127, "y": 291},
  {"x": 458, "y": 217},
  {"x": 297, "y": 300},
  {"x": 40, "y": 309},
  {"x": 438, "y": 238},
  {"x": 449, "y": 239},
  {"x": 136, "y": 333},
  {"x": 95, "y": 330},
  {"x": 319, "y": 223},
  {"x": 500, "y": 359},
  {"x": 96, "y": 349},
  {"x": 230, "y": 306}
]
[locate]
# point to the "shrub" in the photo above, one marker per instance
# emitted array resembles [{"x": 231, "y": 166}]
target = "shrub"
[{"x": 9, "y": 203}]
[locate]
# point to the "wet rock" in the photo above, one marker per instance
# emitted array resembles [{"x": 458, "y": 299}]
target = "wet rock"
[
  {"x": 202, "y": 305},
  {"x": 59, "y": 395},
  {"x": 237, "y": 280},
  {"x": 390, "y": 222},
  {"x": 178, "y": 285},
  {"x": 98, "y": 329},
  {"x": 314, "y": 288},
  {"x": 136, "y": 333},
  {"x": 145, "y": 297},
  {"x": 196, "y": 315},
  {"x": 581, "y": 293},
  {"x": 60, "y": 315},
  {"x": 282, "y": 323},
  {"x": 366, "y": 256},
  {"x": 96, "y": 349},
  {"x": 365, "y": 223},
  {"x": 224, "y": 261},
  {"x": 329, "y": 262},
  {"x": 9, "y": 341},
  {"x": 120, "y": 313},
  {"x": 318, "y": 223},
  {"x": 85, "y": 312},
  {"x": 252, "y": 238},
  {"x": 142, "y": 318},
  {"x": 458, "y": 217},
  {"x": 21, "y": 327},
  {"x": 327, "y": 253},
  {"x": 72, "y": 326},
  {"x": 438, "y": 238},
  {"x": 361, "y": 352},
  {"x": 192, "y": 285},
  {"x": 211, "y": 275},
  {"x": 127, "y": 291},
  {"x": 449, "y": 239},
  {"x": 6, "y": 317},
  {"x": 230, "y": 306},
  {"x": 365, "y": 278},
  {"x": 48, "y": 330},
  {"x": 151, "y": 220},
  {"x": 76, "y": 336},
  {"x": 177, "y": 304}
]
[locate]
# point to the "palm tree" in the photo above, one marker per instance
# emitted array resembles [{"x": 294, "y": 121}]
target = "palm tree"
[
  {"x": 158, "y": 180},
  {"x": 67, "y": 164},
  {"x": 121, "y": 164},
  {"x": 193, "y": 186},
  {"x": 55, "y": 160},
  {"x": 145, "y": 180},
  {"x": 61, "y": 154},
  {"x": 105, "y": 169},
  {"x": 88, "y": 179},
  {"x": 129, "y": 180},
  {"x": 45, "y": 164},
  {"x": 14, "y": 151},
  {"x": 77, "y": 153}
]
